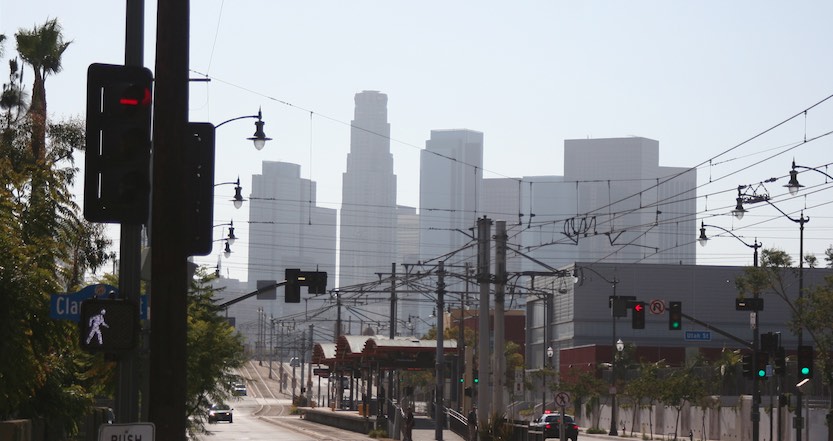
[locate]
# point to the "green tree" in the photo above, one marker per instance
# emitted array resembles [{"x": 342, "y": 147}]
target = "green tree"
[
  {"x": 583, "y": 386},
  {"x": 41, "y": 48},
  {"x": 816, "y": 308},
  {"x": 645, "y": 390},
  {"x": 681, "y": 387},
  {"x": 214, "y": 350}
]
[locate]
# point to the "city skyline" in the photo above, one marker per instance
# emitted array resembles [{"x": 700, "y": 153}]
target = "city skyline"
[{"x": 703, "y": 79}]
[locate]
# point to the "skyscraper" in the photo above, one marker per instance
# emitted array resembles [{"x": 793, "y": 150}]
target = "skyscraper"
[
  {"x": 450, "y": 179},
  {"x": 368, "y": 202}
]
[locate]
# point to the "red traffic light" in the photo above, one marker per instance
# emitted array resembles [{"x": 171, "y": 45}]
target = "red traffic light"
[
  {"x": 136, "y": 95},
  {"x": 639, "y": 307}
]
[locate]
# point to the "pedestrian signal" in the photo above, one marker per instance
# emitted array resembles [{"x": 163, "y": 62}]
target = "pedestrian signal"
[{"x": 108, "y": 325}]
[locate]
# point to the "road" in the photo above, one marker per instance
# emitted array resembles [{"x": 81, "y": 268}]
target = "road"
[{"x": 264, "y": 415}]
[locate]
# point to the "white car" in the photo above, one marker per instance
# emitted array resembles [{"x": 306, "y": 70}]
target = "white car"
[{"x": 240, "y": 389}]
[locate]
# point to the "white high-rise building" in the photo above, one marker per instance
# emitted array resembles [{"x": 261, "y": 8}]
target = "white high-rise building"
[
  {"x": 286, "y": 230},
  {"x": 450, "y": 180},
  {"x": 368, "y": 207},
  {"x": 615, "y": 203}
]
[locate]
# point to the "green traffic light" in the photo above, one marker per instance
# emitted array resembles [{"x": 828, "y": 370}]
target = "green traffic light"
[
  {"x": 805, "y": 370},
  {"x": 675, "y": 325},
  {"x": 761, "y": 373},
  {"x": 461, "y": 380},
  {"x": 477, "y": 380}
]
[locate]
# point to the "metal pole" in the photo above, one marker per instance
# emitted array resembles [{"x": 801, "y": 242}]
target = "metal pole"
[
  {"x": 271, "y": 343},
  {"x": 169, "y": 266},
  {"x": 613, "y": 429},
  {"x": 127, "y": 391},
  {"x": 756, "y": 383},
  {"x": 544, "y": 353},
  {"x": 439, "y": 410},
  {"x": 484, "y": 230},
  {"x": 500, "y": 286},
  {"x": 798, "y": 393}
]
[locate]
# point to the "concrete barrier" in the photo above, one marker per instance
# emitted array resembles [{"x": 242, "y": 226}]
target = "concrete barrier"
[{"x": 347, "y": 420}]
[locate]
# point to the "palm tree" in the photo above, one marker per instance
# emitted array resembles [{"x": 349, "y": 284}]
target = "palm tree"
[{"x": 41, "y": 48}]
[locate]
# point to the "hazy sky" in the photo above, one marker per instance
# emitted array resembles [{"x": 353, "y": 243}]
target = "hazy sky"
[{"x": 700, "y": 77}]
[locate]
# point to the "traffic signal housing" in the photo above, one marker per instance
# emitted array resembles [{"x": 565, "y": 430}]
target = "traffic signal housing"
[
  {"x": 761, "y": 365},
  {"x": 805, "y": 357},
  {"x": 198, "y": 205},
  {"x": 315, "y": 281},
  {"x": 118, "y": 143},
  {"x": 747, "y": 365},
  {"x": 638, "y": 315},
  {"x": 675, "y": 316},
  {"x": 108, "y": 325},
  {"x": 780, "y": 361}
]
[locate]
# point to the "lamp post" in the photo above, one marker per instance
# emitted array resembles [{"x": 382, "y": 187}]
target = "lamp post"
[
  {"x": 238, "y": 196},
  {"x": 756, "y": 342},
  {"x": 259, "y": 138},
  {"x": 793, "y": 186},
  {"x": 738, "y": 212},
  {"x": 614, "y": 301}
]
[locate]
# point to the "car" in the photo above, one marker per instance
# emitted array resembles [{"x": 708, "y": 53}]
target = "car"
[
  {"x": 220, "y": 412},
  {"x": 239, "y": 389},
  {"x": 549, "y": 423}
]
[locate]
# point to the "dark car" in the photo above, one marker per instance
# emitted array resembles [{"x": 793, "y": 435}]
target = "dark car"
[
  {"x": 549, "y": 423},
  {"x": 220, "y": 412}
]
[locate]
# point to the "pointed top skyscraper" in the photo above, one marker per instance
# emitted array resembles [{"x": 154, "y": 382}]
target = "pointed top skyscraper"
[{"x": 368, "y": 202}]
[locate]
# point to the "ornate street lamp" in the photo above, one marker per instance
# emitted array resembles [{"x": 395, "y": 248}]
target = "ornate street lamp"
[{"x": 259, "y": 138}]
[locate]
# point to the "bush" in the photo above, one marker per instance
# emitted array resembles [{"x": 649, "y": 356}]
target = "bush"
[{"x": 378, "y": 433}]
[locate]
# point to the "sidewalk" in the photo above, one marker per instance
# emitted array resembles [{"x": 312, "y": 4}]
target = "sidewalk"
[{"x": 424, "y": 430}]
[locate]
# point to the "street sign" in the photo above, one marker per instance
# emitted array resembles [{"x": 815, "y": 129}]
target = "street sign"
[
  {"x": 698, "y": 335},
  {"x": 752, "y": 304},
  {"x": 67, "y": 306},
  {"x": 562, "y": 399},
  {"x": 126, "y": 432},
  {"x": 657, "y": 306}
]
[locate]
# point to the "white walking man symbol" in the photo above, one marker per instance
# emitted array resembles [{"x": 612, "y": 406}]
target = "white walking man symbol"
[{"x": 96, "y": 322}]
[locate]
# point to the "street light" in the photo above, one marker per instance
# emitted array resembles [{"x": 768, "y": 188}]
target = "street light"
[
  {"x": 231, "y": 237},
  {"x": 238, "y": 196},
  {"x": 259, "y": 138},
  {"x": 756, "y": 393},
  {"x": 800, "y": 221},
  {"x": 614, "y": 344}
]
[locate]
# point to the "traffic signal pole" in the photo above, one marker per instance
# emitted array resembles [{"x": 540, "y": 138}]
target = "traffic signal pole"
[
  {"x": 168, "y": 226},
  {"x": 130, "y": 240}
]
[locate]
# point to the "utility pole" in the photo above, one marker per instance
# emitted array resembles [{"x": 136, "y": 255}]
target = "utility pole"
[
  {"x": 392, "y": 334},
  {"x": 484, "y": 231},
  {"x": 168, "y": 222},
  {"x": 439, "y": 409},
  {"x": 130, "y": 239},
  {"x": 500, "y": 289},
  {"x": 309, "y": 365}
]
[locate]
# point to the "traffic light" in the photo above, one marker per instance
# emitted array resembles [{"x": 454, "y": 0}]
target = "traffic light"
[
  {"x": 769, "y": 342},
  {"x": 805, "y": 362},
  {"x": 108, "y": 325},
  {"x": 315, "y": 281},
  {"x": 475, "y": 376},
  {"x": 292, "y": 289},
  {"x": 747, "y": 366},
  {"x": 761, "y": 365},
  {"x": 118, "y": 140},
  {"x": 675, "y": 316},
  {"x": 638, "y": 315},
  {"x": 780, "y": 362},
  {"x": 199, "y": 186}
]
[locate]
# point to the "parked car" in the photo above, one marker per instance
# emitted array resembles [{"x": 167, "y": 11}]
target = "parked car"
[
  {"x": 549, "y": 423},
  {"x": 240, "y": 389},
  {"x": 220, "y": 412}
]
